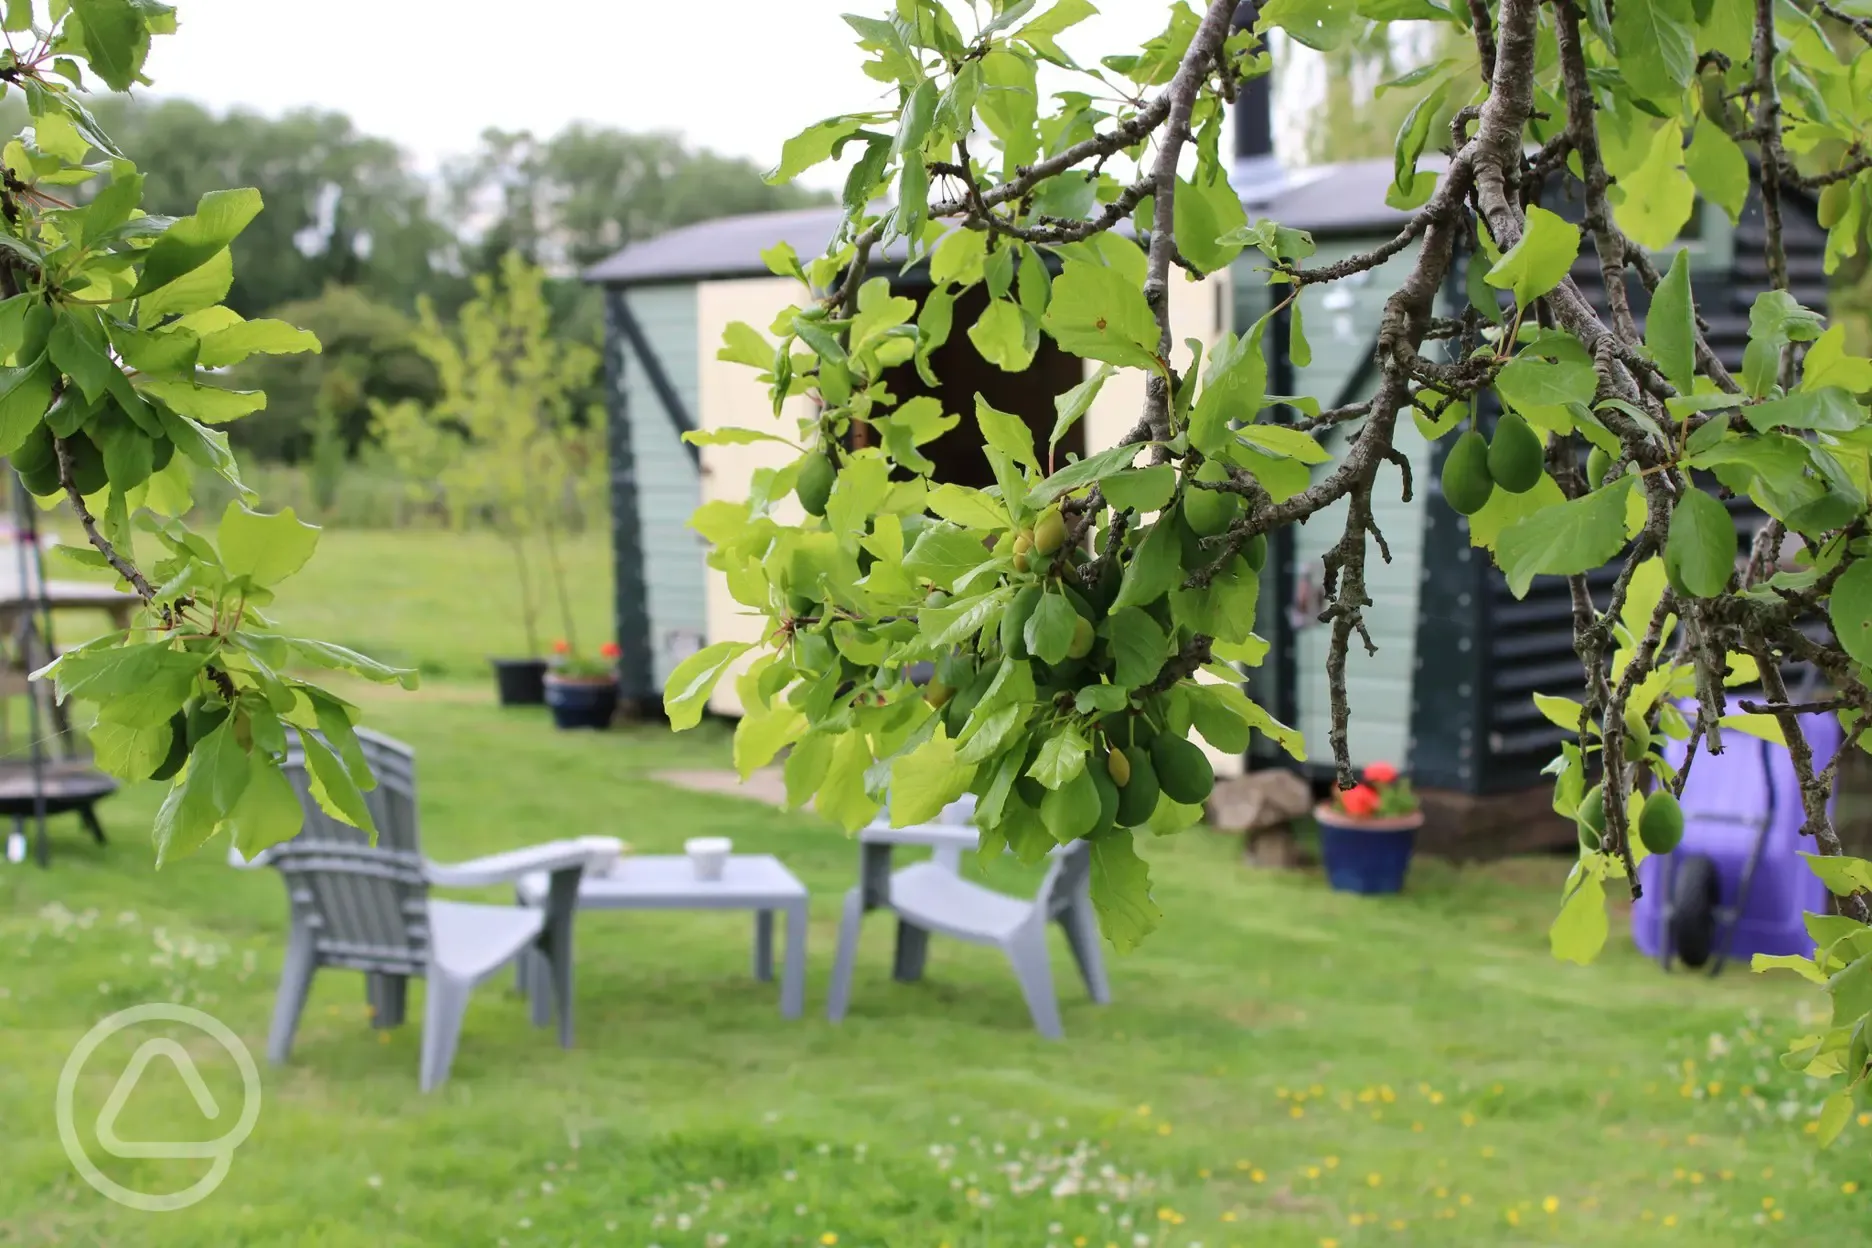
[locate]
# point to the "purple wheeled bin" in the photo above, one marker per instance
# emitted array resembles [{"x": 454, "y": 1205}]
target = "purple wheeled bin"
[{"x": 1742, "y": 826}]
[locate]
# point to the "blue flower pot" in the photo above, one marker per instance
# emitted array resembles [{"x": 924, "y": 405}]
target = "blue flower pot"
[
  {"x": 581, "y": 703},
  {"x": 1366, "y": 855}
]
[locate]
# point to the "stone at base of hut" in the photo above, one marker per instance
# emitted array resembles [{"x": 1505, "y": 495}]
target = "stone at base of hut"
[
  {"x": 1276, "y": 849},
  {"x": 1258, "y": 800},
  {"x": 1465, "y": 826}
]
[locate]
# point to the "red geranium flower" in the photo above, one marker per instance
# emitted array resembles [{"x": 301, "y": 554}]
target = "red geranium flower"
[
  {"x": 1381, "y": 773},
  {"x": 562, "y": 646},
  {"x": 1360, "y": 801},
  {"x": 610, "y": 650}
]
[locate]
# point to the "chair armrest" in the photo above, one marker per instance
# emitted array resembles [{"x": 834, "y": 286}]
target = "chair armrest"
[{"x": 507, "y": 868}]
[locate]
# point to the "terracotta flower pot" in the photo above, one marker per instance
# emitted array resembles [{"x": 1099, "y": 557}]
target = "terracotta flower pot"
[{"x": 1366, "y": 855}]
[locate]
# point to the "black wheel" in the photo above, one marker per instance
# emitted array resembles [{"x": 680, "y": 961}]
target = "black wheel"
[{"x": 1695, "y": 893}]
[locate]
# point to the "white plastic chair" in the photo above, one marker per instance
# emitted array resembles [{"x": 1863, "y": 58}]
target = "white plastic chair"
[
  {"x": 931, "y": 897},
  {"x": 366, "y": 907}
]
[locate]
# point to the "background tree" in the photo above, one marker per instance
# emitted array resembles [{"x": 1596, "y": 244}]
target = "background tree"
[
  {"x": 1069, "y": 610},
  {"x": 572, "y": 199},
  {"x": 505, "y": 442}
]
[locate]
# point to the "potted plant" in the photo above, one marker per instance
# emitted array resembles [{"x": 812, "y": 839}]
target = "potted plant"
[
  {"x": 582, "y": 692},
  {"x": 1368, "y": 832}
]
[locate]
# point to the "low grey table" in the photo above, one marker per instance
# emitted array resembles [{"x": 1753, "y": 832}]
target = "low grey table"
[{"x": 756, "y": 882}]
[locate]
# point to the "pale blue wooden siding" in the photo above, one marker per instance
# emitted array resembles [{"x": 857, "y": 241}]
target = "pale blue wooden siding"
[
  {"x": 668, "y": 485},
  {"x": 1341, "y": 324}
]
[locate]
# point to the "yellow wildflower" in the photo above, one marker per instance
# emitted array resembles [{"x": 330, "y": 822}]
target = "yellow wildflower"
[
  {"x": 1294, "y": 1111},
  {"x": 828, "y": 1238},
  {"x": 1551, "y": 1204},
  {"x": 1373, "y": 1180},
  {"x": 1670, "y": 1219},
  {"x": 1849, "y": 1187},
  {"x": 1332, "y": 1163}
]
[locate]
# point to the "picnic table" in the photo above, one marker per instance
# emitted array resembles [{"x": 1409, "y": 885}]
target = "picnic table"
[{"x": 756, "y": 882}]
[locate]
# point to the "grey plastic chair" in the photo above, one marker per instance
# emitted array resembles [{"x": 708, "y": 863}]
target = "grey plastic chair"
[
  {"x": 363, "y": 907},
  {"x": 931, "y": 897}
]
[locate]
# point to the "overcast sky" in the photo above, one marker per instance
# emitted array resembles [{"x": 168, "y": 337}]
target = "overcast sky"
[{"x": 738, "y": 76}]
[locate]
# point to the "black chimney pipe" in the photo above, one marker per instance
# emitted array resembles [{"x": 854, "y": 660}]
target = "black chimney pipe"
[{"x": 1254, "y": 103}]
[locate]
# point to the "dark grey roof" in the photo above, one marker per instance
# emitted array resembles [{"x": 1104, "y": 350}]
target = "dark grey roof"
[{"x": 1326, "y": 199}]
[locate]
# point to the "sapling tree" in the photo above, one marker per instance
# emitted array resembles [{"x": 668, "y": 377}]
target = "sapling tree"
[
  {"x": 502, "y": 444},
  {"x": 1071, "y": 609},
  {"x": 111, "y": 321}
]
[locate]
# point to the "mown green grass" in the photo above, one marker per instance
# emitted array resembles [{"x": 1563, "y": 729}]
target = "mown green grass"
[{"x": 1283, "y": 1065}]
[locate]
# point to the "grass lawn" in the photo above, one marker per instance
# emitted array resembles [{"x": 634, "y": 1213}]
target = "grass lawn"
[{"x": 1283, "y": 1065}]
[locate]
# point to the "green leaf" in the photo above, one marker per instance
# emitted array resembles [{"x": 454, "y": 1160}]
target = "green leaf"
[
  {"x": 841, "y": 796},
  {"x": 1701, "y": 549},
  {"x": 1121, "y": 890},
  {"x": 943, "y": 554},
  {"x": 1827, "y": 363},
  {"x": 115, "y": 40},
  {"x": 1828, "y": 409},
  {"x": 1099, "y": 315},
  {"x": 83, "y": 360},
  {"x": 1563, "y": 713},
  {"x": 1006, "y": 335},
  {"x": 1009, "y": 104},
  {"x": 263, "y": 337},
  {"x": 1850, "y": 608},
  {"x": 1657, "y": 49},
  {"x": 218, "y": 774},
  {"x": 339, "y": 658},
  {"x": 1776, "y": 318},
  {"x": 1798, "y": 963},
  {"x": 129, "y": 753},
  {"x": 1006, "y": 432},
  {"x": 927, "y": 779},
  {"x": 1412, "y": 136},
  {"x": 1076, "y": 402},
  {"x": 1842, "y": 876},
  {"x": 1851, "y": 990},
  {"x": 967, "y": 507},
  {"x": 686, "y": 693},
  {"x": 1222, "y": 713},
  {"x": 332, "y": 785},
  {"x": 1050, "y": 628},
  {"x": 1061, "y": 757},
  {"x": 1833, "y": 1116},
  {"x": 1205, "y": 213},
  {"x": 732, "y": 436},
  {"x": 1540, "y": 260},
  {"x": 25, "y": 393},
  {"x": 814, "y": 145},
  {"x": 762, "y": 734},
  {"x": 1575, "y": 536},
  {"x": 806, "y": 766},
  {"x": 136, "y": 686},
  {"x": 1142, "y": 490},
  {"x": 193, "y": 241},
  {"x": 1718, "y": 168},
  {"x": 210, "y": 405},
  {"x": 1281, "y": 440},
  {"x": 1084, "y": 472},
  {"x": 945, "y": 626},
  {"x": 1670, "y": 325},
  {"x": 1579, "y": 930},
  {"x": 1155, "y": 569},
  {"x": 207, "y": 286},
  {"x": 1043, "y": 30},
  {"x": 1320, "y": 24},
  {"x": 268, "y": 812},
  {"x": 1234, "y": 386},
  {"x": 1139, "y": 646},
  {"x": 1543, "y": 390},
  {"x": 1653, "y": 202},
  {"x": 265, "y": 549},
  {"x": 958, "y": 257}
]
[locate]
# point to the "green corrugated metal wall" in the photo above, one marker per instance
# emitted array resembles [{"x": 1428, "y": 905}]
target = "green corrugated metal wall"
[{"x": 668, "y": 484}]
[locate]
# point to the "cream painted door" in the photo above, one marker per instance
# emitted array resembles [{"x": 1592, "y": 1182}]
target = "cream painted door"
[{"x": 730, "y": 394}]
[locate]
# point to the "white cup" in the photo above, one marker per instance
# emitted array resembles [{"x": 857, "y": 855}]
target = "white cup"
[
  {"x": 601, "y": 853},
  {"x": 708, "y": 855}
]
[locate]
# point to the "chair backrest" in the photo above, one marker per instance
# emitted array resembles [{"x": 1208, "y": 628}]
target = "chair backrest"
[
  {"x": 1069, "y": 871},
  {"x": 365, "y": 904}
]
